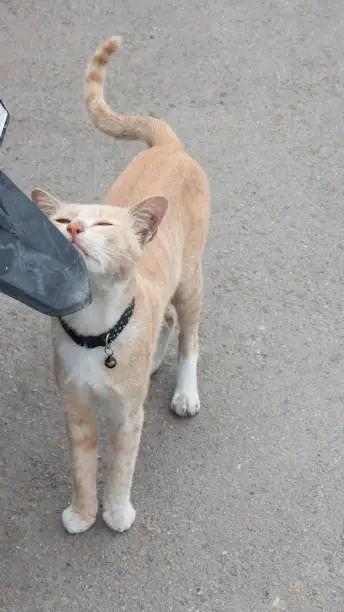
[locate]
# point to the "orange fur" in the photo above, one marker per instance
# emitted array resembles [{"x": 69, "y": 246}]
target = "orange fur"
[{"x": 150, "y": 243}]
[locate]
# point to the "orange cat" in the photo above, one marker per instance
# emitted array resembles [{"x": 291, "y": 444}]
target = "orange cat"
[{"x": 143, "y": 248}]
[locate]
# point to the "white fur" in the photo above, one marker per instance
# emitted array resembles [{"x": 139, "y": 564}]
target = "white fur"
[
  {"x": 119, "y": 517},
  {"x": 104, "y": 311},
  {"x": 73, "y": 523},
  {"x": 85, "y": 367},
  {"x": 185, "y": 400}
]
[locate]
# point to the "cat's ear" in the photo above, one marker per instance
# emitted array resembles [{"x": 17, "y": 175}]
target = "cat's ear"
[
  {"x": 45, "y": 202},
  {"x": 147, "y": 216}
]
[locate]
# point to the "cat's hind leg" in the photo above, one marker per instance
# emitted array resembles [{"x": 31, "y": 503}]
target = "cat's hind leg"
[
  {"x": 165, "y": 335},
  {"x": 188, "y": 302}
]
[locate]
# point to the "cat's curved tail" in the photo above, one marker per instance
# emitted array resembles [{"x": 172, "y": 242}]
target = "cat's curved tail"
[{"x": 151, "y": 130}]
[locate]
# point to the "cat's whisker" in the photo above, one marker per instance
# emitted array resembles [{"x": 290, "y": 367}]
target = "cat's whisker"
[{"x": 97, "y": 248}]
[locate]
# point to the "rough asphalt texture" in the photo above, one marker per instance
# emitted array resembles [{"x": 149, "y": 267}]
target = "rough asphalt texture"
[{"x": 242, "y": 508}]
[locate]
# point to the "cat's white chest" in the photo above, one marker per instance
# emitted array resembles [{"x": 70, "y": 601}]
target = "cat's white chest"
[{"x": 85, "y": 367}]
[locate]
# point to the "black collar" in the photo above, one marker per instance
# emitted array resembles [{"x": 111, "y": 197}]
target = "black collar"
[{"x": 104, "y": 340}]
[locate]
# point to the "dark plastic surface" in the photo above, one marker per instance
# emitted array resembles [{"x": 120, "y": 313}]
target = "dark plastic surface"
[{"x": 38, "y": 265}]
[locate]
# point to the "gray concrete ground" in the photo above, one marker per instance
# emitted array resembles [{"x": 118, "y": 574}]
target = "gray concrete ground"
[{"x": 242, "y": 508}]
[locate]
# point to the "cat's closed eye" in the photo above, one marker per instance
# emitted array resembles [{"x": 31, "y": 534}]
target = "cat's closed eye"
[
  {"x": 103, "y": 223},
  {"x": 62, "y": 220}
]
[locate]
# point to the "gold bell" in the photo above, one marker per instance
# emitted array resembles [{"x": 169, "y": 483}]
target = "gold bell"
[{"x": 110, "y": 361}]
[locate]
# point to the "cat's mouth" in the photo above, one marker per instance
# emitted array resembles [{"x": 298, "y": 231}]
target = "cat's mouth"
[{"x": 77, "y": 246}]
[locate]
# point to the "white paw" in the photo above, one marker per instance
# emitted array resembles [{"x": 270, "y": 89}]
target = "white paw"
[
  {"x": 119, "y": 518},
  {"x": 185, "y": 404},
  {"x": 73, "y": 523}
]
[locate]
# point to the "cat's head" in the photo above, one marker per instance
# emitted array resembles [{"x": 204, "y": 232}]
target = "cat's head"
[{"x": 111, "y": 239}]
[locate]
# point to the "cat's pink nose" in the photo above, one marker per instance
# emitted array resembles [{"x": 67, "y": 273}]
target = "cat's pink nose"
[{"x": 74, "y": 228}]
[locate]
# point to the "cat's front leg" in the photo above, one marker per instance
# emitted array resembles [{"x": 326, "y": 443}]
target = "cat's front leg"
[
  {"x": 124, "y": 441},
  {"x": 81, "y": 428}
]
